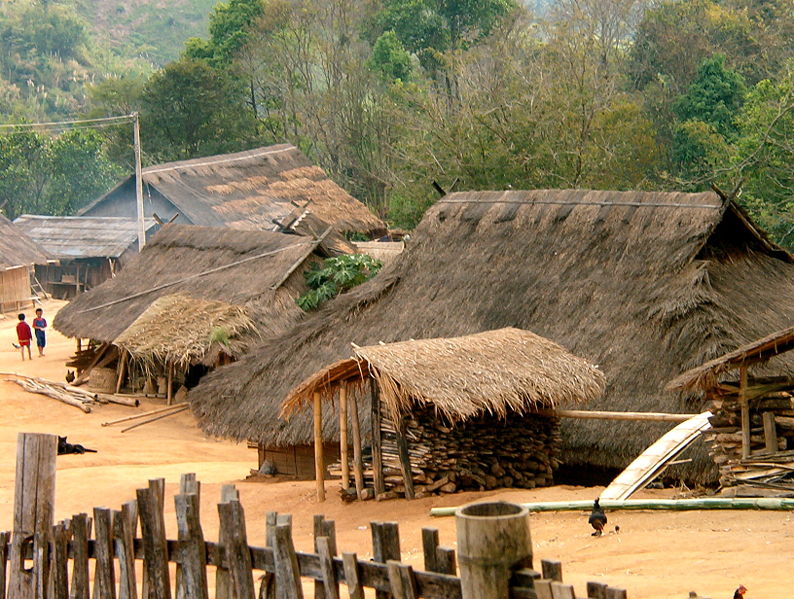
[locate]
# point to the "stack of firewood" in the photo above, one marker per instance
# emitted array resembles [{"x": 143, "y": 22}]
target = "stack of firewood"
[
  {"x": 765, "y": 467},
  {"x": 480, "y": 454}
]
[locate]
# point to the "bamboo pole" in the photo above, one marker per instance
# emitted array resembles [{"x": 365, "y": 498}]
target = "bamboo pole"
[
  {"x": 143, "y": 414},
  {"x": 160, "y": 417},
  {"x": 343, "y": 436},
  {"x": 703, "y": 503},
  {"x": 358, "y": 461},
  {"x": 122, "y": 369},
  {"x": 602, "y": 415},
  {"x": 745, "y": 407},
  {"x": 319, "y": 467}
]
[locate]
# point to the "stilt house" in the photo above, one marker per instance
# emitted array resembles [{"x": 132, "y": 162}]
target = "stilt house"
[
  {"x": 274, "y": 188},
  {"x": 449, "y": 414},
  {"x": 644, "y": 284},
  {"x": 752, "y": 406},
  {"x": 18, "y": 256}
]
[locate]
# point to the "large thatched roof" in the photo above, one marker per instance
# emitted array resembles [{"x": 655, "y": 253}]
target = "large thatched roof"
[
  {"x": 248, "y": 190},
  {"x": 208, "y": 263},
  {"x": 18, "y": 249},
  {"x": 645, "y": 285},
  {"x": 495, "y": 372},
  {"x": 761, "y": 350},
  {"x": 73, "y": 237},
  {"x": 182, "y": 330}
]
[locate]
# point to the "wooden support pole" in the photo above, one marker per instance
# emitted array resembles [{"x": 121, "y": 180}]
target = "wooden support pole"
[
  {"x": 358, "y": 460},
  {"x": 405, "y": 459},
  {"x": 493, "y": 541},
  {"x": 122, "y": 371},
  {"x": 169, "y": 385},
  {"x": 34, "y": 499},
  {"x": 377, "y": 452},
  {"x": 770, "y": 432},
  {"x": 745, "y": 415},
  {"x": 343, "y": 445},
  {"x": 319, "y": 465}
]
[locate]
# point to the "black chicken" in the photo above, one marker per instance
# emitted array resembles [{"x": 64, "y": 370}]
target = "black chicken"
[
  {"x": 597, "y": 519},
  {"x": 69, "y": 375}
]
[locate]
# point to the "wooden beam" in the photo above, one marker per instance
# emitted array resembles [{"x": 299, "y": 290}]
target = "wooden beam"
[
  {"x": 343, "y": 436},
  {"x": 377, "y": 453},
  {"x": 319, "y": 466},
  {"x": 358, "y": 461},
  {"x": 745, "y": 407},
  {"x": 602, "y": 415}
]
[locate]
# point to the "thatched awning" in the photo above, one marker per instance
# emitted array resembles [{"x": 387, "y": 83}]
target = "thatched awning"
[
  {"x": 182, "y": 330},
  {"x": 495, "y": 372},
  {"x": 756, "y": 352}
]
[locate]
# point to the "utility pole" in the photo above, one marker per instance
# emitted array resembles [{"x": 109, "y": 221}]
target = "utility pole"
[{"x": 136, "y": 125}]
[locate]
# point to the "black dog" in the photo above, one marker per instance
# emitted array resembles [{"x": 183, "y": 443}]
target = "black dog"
[{"x": 64, "y": 447}]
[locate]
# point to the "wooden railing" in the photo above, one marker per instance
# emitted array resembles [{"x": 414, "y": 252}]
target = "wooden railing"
[{"x": 54, "y": 561}]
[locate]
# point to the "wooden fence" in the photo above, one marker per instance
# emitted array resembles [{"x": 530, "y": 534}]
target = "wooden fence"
[{"x": 42, "y": 560}]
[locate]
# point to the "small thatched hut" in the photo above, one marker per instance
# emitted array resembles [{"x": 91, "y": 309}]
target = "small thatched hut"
[
  {"x": 258, "y": 273},
  {"x": 646, "y": 285},
  {"x": 88, "y": 251},
  {"x": 272, "y": 188},
  {"x": 752, "y": 434},
  {"x": 458, "y": 413},
  {"x": 18, "y": 256}
]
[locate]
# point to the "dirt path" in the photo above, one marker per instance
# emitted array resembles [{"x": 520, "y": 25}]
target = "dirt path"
[{"x": 656, "y": 555}]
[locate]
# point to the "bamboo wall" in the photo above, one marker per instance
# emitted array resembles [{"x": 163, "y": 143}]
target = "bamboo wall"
[{"x": 14, "y": 289}]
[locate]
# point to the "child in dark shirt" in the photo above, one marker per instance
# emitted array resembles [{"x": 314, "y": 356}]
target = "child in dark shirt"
[{"x": 24, "y": 336}]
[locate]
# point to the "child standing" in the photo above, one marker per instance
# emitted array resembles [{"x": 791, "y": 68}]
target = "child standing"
[
  {"x": 24, "y": 336},
  {"x": 39, "y": 324}
]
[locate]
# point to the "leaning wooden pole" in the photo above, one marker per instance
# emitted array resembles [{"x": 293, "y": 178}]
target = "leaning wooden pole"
[
  {"x": 343, "y": 436},
  {"x": 122, "y": 369},
  {"x": 358, "y": 460},
  {"x": 745, "y": 414},
  {"x": 319, "y": 466},
  {"x": 377, "y": 453},
  {"x": 34, "y": 500}
]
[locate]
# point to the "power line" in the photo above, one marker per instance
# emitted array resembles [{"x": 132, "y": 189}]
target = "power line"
[{"x": 80, "y": 122}]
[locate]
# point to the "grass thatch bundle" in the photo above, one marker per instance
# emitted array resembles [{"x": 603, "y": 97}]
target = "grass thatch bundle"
[
  {"x": 182, "y": 330},
  {"x": 495, "y": 372}
]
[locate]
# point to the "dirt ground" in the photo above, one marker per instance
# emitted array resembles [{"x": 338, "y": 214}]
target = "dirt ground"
[{"x": 655, "y": 555}]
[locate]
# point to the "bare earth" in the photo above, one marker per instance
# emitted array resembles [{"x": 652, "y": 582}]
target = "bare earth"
[{"x": 655, "y": 555}]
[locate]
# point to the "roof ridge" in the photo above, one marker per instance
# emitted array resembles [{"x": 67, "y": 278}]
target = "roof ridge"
[{"x": 189, "y": 164}]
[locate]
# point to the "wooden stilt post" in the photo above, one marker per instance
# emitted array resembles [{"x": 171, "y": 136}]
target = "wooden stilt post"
[
  {"x": 169, "y": 385},
  {"x": 34, "y": 499},
  {"x": 343, "y": 436},
  {"x": 377, "y": 454},
  {"x": 745, "y": 407},
  {"x": 358, "y": 460},
  {"x": 493, "y": 541},
  {"x": 319, "y": 466},
  {"x": 122, "y": 369}
]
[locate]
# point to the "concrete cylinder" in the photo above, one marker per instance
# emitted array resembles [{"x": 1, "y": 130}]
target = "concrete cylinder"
[{"x": 493, "y": 541}]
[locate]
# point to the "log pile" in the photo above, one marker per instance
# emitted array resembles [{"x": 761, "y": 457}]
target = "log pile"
[
  {"x": 480, "y": 454},
  {"x": 74, "y": 396},
  {"x": 771, "y": 461}
]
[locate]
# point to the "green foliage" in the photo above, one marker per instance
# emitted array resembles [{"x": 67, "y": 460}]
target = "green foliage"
[
  {"x": 57, "y": 175},
  {"x": 714, "y": 97},
  {"x": 230, "y": 25},
  {"x": 390, "y": 59},
  {"x": 334, "y": 276},
  {"x": 220, "y": 335},
  {"x": 698, "y": 148}
]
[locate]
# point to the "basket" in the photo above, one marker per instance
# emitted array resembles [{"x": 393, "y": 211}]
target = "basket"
[{"x": 102, "y": 380}]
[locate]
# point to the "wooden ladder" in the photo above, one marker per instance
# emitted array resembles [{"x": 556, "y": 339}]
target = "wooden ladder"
[{"x": 37, "y": 289}]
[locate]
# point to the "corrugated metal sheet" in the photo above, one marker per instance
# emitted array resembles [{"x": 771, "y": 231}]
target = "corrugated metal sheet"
[{"x": 73, "y": 237}]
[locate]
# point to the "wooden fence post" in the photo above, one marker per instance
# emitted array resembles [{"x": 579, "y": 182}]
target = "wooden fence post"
[
  {"x": 352, "y": 576},
  {"x": 385, "y": 547},
  {"x": 551, "y": 569},
  {"x": 493, "y": 541},
  {"x": 34, "y": 496},
  {"x": 223, "y": 583},
  {"x": 59, "y": 568},
  {"x": 81, "y": 531},
  {"x": 104, "y": 577},
  {"x": 4, "y": 539},
  {"x": 124, "y": 524},
  {"x": 288, "y": 576},
  {"x": 155, "y": 549},
  {"x": 192, "y": 584},
  {"x": 236, "y": 549}
]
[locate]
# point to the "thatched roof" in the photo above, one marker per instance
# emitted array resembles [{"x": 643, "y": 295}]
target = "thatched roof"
[
  {"x": 756, "y": 352},
  {"x": 646, "y": 285},
  {"x": 183, "y": 330},
  {"x": 75, "y": 237},
  {"x": 495, "y": 372},
  {"x": 241, "y": 268},
  {"x": 17, "y": 248},
  {"x": 249, "y": 190}
]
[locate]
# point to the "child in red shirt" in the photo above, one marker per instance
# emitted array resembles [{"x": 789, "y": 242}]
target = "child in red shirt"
[{"x": 24, "y": 335}]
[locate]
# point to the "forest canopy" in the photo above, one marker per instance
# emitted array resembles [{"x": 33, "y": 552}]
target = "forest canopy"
[{"x": 390, "y": 96}]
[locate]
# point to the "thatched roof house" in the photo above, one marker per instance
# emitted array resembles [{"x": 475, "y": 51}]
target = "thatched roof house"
[
  {"x": 18, "y": 255},
  {"x": 258, "y": 270},
  {"x": 447, "y": 401},
  {"x": 643, "y": 284},
  {"x": 89, "y": 250},
  {"x": 266, "y": 188},
  {"x": 182, "y": 330}
]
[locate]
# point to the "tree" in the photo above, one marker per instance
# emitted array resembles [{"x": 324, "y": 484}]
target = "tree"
[{"x": 390, "y": 59}]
